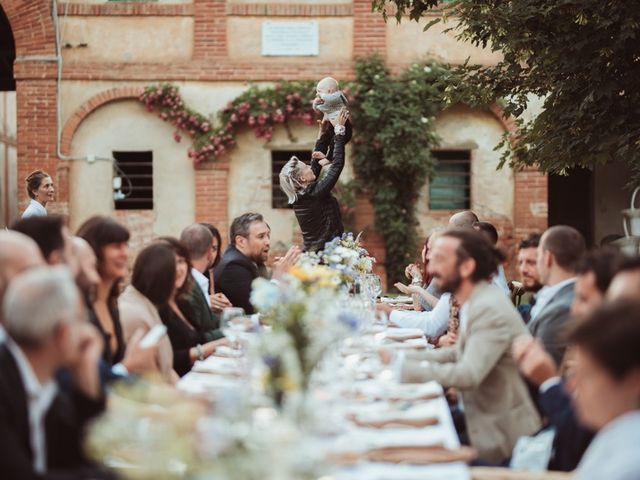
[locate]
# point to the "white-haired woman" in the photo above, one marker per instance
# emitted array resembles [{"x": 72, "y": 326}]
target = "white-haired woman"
[{"x": 317, "y": 211}]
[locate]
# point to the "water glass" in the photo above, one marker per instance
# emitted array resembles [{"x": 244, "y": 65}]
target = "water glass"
[{"x": 234, "y": 322}]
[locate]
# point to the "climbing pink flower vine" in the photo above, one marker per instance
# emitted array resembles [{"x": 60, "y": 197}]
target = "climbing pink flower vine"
[{"x": 260, "y": 109}]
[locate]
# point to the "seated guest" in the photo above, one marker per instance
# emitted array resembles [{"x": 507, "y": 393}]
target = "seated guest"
[
  {"x": 110, "y": 243},
  {"x": 423, "y": 288},
  {"x": 499, "y": 279},
  {"x": 244, "y": 260},
  {"x": 50, "y": 234},
  {"x": 560, "y": 251},
  {"x": 570, "y": 440},
  {"x": 152, "y": 284},
  {"x": 136, "y": 359},
  {"x": 497, "y": 405},
  {"x": 433, "y": 323},
  {"x": 626, "y": 283},
  {"x": 187, "y": 339},
  {"x": 606, "y": 385},
  {"x": 218, "y": 301},
  {"x": 593, "y": 278},
  {"x": 17, "y": 254},
  {"x": 198, "y": 241},
  {"x": 42, "y": 425},
  {"x": 523, "y": 295}
]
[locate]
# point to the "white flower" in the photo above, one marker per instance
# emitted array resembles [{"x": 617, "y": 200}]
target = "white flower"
[
  {"x": 264, "y": 294},
  {"x": 427, "y": 69},
  {"x": 424, "y": 120}
]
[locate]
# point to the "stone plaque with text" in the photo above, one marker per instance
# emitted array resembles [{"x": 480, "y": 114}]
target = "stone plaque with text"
[{"x": 287, "y": 39}]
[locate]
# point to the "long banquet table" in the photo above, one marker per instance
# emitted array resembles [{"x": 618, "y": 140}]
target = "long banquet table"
[{"x": 363, "y": 409}]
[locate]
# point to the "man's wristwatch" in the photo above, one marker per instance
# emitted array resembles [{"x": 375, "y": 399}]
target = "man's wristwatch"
[{"x": 339, "y": 129}]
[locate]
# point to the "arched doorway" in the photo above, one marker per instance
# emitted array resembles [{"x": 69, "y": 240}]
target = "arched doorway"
[{"x": 8, "y": 118}]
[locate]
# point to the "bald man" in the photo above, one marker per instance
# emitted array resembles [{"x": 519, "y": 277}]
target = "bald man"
[
  {"x": 464, "y": 219},
  {"x": 17, "y": 254},
  {"x": 84, "y": 267}
]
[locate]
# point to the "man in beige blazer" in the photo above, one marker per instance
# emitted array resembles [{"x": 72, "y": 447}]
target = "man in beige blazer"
[{"x": 497, "y": 404}]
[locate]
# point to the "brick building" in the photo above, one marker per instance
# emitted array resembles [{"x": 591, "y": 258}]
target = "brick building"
[{"x": 67, "y": 121}]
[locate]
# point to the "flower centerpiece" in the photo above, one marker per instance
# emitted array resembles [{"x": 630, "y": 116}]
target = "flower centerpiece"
[
  {"x": 344, "y": 255},
  {"x": 153, "y": 431},
  {"x": 307, "y": 313}
]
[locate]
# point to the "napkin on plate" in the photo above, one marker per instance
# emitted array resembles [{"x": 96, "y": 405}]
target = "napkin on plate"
[
  {"x": 398, "y": 299},
  {"x": 401, "y": 334},
  {"x": 218, "y": 366},
  {"x": 410, "y": 344},
  {"x": 399, "y": 392},
  {"x": 386, "y": 415}
]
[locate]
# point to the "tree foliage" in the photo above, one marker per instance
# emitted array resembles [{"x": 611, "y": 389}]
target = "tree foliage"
[{"x": 582, "y": 57}]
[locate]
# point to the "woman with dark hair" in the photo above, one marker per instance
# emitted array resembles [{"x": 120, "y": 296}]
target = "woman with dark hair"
[
  {"x": 217, "y": 244},
  {"x": 152, "y": 285},
  {"x": 218, "y": 300},
  {"x": 422, "y": 288},
  {"x": 110, "y": 243},
  {"x": 40, "y": 190},
  {"x": 187, "y": 339}
]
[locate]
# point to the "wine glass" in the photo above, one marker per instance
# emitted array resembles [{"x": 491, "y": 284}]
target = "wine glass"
[
  {"x": 233, "y": 323},
  {"x": 374, "y": 286}
]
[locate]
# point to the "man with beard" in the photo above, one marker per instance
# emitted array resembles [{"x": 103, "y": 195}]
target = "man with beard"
[
  {"x": 497, "y": 405},
  {"x": 524, "y": 294},
  {"x": 245, "y": 257},
  {"x": 570, "y": 440},
  {"x": 560, "y": 252}
]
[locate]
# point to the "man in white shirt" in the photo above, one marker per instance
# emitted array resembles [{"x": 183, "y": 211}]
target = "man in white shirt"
[
  {"x": 42, "y": 427},
  {"x": 198, "y": 241},
  {"x": 433, "y": 323}
]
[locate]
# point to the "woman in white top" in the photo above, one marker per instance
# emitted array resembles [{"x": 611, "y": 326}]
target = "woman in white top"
[{"x": 40, "y": 189}]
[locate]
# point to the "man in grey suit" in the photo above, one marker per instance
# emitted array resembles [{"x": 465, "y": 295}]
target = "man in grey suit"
[
  {"x": 560, "y": 251},
  {"x": 497, "y": 404}
]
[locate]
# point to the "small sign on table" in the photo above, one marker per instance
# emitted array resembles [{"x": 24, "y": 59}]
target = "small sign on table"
[{"x": 289, "y": 39}]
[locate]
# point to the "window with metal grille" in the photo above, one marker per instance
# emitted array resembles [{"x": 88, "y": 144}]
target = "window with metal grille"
[
  {"x": 278, "y": 159},
  {"x": 450, "y": 187},
  {"x": 138, "y": 168}
]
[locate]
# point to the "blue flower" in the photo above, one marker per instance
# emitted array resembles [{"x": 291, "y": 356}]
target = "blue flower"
[
  {"x": 271, "y": 361},
  {"x": 349, "y": 319}
]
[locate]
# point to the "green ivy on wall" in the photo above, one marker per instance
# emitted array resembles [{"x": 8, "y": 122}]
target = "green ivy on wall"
[{"x": 394, "y": 132}]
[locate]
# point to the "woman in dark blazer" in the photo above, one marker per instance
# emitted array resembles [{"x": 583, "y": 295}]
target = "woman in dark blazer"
[
  {"x": 317, "y": 211},
  {"x": 186, "y": 336}
]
